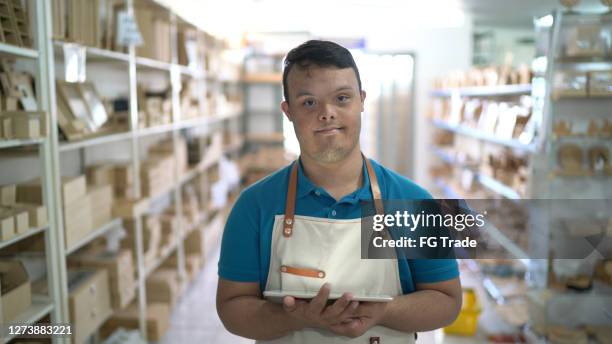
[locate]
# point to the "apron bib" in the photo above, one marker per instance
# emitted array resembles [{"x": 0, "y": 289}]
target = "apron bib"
[{"x": 307, "y": 252}]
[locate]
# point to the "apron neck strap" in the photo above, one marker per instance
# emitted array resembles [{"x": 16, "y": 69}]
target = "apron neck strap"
[{"x": 292, "y": 188}]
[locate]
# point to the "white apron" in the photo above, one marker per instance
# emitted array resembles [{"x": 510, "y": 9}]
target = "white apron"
[{"x": 306, "y": 252}]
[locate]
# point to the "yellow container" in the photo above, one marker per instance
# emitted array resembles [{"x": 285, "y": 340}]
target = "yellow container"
[{"x": 466, "y": 323}]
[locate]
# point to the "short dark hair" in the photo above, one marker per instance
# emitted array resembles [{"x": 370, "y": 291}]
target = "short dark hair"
[{"x": 319, "y": 53}]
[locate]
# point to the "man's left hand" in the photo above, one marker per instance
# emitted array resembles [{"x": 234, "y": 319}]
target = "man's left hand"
[{"x": 367, "y": 315}]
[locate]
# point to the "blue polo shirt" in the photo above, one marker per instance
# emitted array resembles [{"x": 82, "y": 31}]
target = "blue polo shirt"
[{"x": 246, "y": 244}]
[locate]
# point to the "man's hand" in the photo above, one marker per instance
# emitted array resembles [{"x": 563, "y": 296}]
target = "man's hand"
[
  {"x": 316, "y": 313},
  {"x": 367, "y": 315}
]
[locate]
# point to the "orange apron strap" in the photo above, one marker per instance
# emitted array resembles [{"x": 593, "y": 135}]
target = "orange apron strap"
[
  {"x": 290, "y": 203},
  {"x": 374, "y": 186},
  {"x": 292, "y": 187}
]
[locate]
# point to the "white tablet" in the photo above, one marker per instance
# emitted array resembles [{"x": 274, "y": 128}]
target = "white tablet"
[{"x": 278, "y": 295}]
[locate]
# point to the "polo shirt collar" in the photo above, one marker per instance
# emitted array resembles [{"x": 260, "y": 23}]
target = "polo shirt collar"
[{"x": 306, "y": 186}]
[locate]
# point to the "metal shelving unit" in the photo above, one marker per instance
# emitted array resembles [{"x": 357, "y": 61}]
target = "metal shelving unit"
[
  {"x": 543, "y": 181},
  {"x": 482, "y": 136},
  {"x": 485, "y": 91},
  {"x": 17, "y": 238},
  {"x": 46, "y": 54},
  {"x": 41, "y": 306},
  {"x": 93, "y": 235},
  {"x": 490, "y": 183},
  {"x": 40, "y": 56}
]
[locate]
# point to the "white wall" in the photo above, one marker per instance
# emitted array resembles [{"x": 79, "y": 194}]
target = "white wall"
[{"x": 437, "y": 51}]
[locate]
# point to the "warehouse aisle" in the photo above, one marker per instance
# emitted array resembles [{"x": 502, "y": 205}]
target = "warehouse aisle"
[{"x": 195, "y": 318}]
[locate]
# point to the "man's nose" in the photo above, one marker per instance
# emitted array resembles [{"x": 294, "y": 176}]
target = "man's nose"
[{"x": 328, "y": 112}]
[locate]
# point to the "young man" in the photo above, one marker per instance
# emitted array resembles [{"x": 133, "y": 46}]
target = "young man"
[{"x": 299, "y": 228}]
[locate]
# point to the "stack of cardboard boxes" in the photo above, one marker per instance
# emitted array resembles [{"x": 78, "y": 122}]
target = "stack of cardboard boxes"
[
  {"x": 154, "y": 26},
  {"x": 155, "y": 110},
  {"x": 15, "y": 291},
  {"x": 164, "y": 285},
  {"x": 151, "y": 238},
  {"x": 77, "y": 204},
  {"x": 16, "y": 218},
  {"x": 205, "y": 150},
  {"x": 157, "y": 320},
  {"x": 120, "y": 269},
  {"x": 263, "y": 162},
  {"x": 89, "y": 302}
]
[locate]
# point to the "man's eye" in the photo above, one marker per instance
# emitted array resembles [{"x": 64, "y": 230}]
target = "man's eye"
[
  {"x": 343, "y": 99},
  {"x": 308, "y": 103}
]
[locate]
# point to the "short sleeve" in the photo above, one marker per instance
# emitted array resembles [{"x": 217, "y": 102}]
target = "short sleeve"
[
  {"x": 433, "y": 270},
  {"x": 239, "y": 260}
]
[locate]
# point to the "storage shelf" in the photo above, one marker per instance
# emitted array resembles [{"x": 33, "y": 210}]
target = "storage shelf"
[
  {"x": 208, "y": 120},
  {"x": 22, "y": 236},
  {"x": 490, "y": 183},
  {"x": 485, "y": 91},
  {"x": 506, "y": 243},
  {"x": 156, "y": 130},
  {"x": 184, "y": 70},
  {"x": 498, "y": 187},
  {"x": 161, "y": 259},
  {"x": 479, "y": 135},
  {"x": 15, "y": 51},
  {"x": 20, "y": 143},
  {"x": 41, "y": 306},
  {"x": 449, "y": 192},
  {"x": 69, "y": 146},
  {"x": 232, "y": 147},
  {"x": 93, "y": 235},
  {"x": 94, "y": 53},
  {"x": 145, "y": 62}
]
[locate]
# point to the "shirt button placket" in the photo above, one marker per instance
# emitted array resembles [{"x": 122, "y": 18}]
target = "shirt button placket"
[{"x": 333, "y": 212}]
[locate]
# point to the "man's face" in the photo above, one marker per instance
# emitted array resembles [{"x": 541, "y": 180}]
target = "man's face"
[{"x": 325, "y": 106}]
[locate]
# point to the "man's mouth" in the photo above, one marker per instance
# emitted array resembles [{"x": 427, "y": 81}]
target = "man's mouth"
[{"x": 328, "y": 130}]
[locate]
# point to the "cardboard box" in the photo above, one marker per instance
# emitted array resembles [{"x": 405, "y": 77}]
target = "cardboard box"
[
  {"x": 37, "y": 214},
  {"x": 102, "y": 204},
  {"x": 30, "y": 192},
  {"x": 7, "y": 228},
  {"x": 600, "y": 84},
  {"x": 193, "y": 264},
  {"x": 158, "y": 320},
  {"x": 120, "y": 269},
  {"x": 8, "y": 194},
  {"x": 194, "y": 244},
  {"x": 88, "y": 301},
  {"x": 20, "y": 218},
  {"x": 129, "y": 208},
  {"x": 101, "y": 174},
  {"x": 77, "y": 221},
  {"x": 169, "y": 230},
  {"x": 163, "y": 285},
  {"x": 15, "y": 290},
  {"x": 73, "y": 189},
  {"x": 124, "y": 175},
  {"x": 23, "y": 125},
  {"x": 151, "y": 237}
]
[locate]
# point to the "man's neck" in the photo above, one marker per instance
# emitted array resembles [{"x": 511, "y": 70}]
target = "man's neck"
[{"x": 339, "y": 178}]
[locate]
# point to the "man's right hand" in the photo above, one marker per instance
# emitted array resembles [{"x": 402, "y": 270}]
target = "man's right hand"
[{"x": 315, "y": 313}]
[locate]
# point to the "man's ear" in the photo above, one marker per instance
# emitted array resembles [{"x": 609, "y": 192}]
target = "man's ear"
[
  {"x": 363, "y": 97},
  {"x": 285, "y": 108}
]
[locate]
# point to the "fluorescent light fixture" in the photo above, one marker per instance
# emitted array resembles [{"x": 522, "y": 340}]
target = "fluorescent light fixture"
[{"x": 546, "y": 21}]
